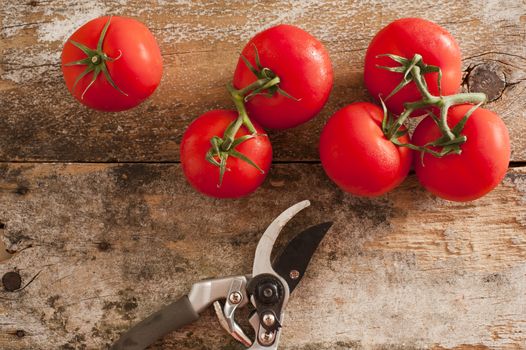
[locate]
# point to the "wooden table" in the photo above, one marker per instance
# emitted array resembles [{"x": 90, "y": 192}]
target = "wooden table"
[{"x": 103, "y": 229}]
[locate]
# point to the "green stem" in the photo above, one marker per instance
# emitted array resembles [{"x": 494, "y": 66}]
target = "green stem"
[
  {"x": 258, "y": 84},
  {"x": 230, "y": 134},
  {"x": 473, "y": 97},
  {"x": 267, "y": 84},
  {"x": 238, "y": 97},
  {"x": 421, "y": 85},
  {"x": 399, "y": 122},
  {"x": 414, "y": 70},
  {"x": 428, "y": 99},
  {"x": 442, "y": 122}
]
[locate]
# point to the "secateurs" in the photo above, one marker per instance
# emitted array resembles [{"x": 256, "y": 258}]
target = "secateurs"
[{"x": 268, "y": 289}]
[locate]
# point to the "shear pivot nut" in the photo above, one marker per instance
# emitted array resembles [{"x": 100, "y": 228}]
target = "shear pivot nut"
[{"x": 268, "y": 292}]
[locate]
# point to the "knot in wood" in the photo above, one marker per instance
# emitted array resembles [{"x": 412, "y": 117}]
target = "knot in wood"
[
  {"x": 104, "y": 246},
  {"x": 21, "y": 190},
  {"x": 11, "y": 281},
  {"x": 488, "y": 78}
]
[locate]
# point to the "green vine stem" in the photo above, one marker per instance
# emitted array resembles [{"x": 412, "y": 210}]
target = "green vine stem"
[
  {"x": 238, "y": 97},
  {"x": 267, "y": 84},
  {"x": 413, "y": 71}
]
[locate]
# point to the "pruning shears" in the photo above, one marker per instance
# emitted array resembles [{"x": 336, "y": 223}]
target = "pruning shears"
[{"x": 268, "y": 289}]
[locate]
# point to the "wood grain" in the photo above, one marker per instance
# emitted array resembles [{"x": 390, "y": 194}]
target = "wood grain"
[
  {"x": 101, "y": 245},
  {"x": 200, "y": 42},
  {"x": 111, "y": 243}
]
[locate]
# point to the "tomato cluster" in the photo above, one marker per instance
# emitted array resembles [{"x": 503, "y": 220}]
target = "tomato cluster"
[
  {"x": 283, "y": 78},
  {"x": 459, "y": 151}
]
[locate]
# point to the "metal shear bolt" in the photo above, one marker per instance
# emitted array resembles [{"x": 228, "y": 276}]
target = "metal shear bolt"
[
  {"x": 294, "y": 274},
  {"x": 266, "y": 338},
  {"x": 269, "y": 319},
  {"x": 235, "y": 297},
  {"x": 268, "y": 293}
]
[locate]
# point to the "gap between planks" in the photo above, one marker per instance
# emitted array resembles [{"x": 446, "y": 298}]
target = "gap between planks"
[{"x": 514, "y": 164}]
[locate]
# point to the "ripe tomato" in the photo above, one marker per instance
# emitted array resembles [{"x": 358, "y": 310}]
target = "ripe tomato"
[
  {"x": 478, "y": 169},
  {"x": 357, "y": 156},
  {"x": 304, "y": 68},
  {"x": 406, "y": 37},
  {"x": 240, "y": 178},
  {"x": 135, "y": 64}
]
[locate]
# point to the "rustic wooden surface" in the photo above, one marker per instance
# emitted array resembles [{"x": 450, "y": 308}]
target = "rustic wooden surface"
[
  {"x": 200, "y": 45},
  {"x": 102, "y": 228}
]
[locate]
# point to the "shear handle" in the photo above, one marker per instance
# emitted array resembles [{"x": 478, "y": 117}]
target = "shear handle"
[
  {"x": 180, "y": 313},
  {"x": 146, "y": 332}
]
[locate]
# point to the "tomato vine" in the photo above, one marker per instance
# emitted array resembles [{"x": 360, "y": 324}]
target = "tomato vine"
[
  {"x": 413, "y": 70},
  {"x": 267, "y": 84}
]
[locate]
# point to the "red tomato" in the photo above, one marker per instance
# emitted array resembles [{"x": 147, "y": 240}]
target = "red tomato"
[
  {"x": 304, "y": 68},
  {"x": 241, "y": 178},
  {"x": 478, "y": 169},
  {"x": 357, "y": 156},
  {"x": 136, "y": 70},
  {"x": 406, "y": 37}
]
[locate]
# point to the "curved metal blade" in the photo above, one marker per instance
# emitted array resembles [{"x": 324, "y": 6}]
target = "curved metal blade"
[
  {"x": 266, "y": 243},
  {"x": 295, "y": 258}
]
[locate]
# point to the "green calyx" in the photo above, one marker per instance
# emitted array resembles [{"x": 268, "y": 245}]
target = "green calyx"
[
  {"x": 266, "y": 74},
  {"x": 95, "y": 62},
  {"x": 413, "y": 70},
  {"x": 267, "y": 84}
]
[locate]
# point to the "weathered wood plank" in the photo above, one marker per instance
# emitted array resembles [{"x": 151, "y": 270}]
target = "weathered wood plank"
[
  {"x": 112, "y": 243},
  {"x": 200, "y": 42}
]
